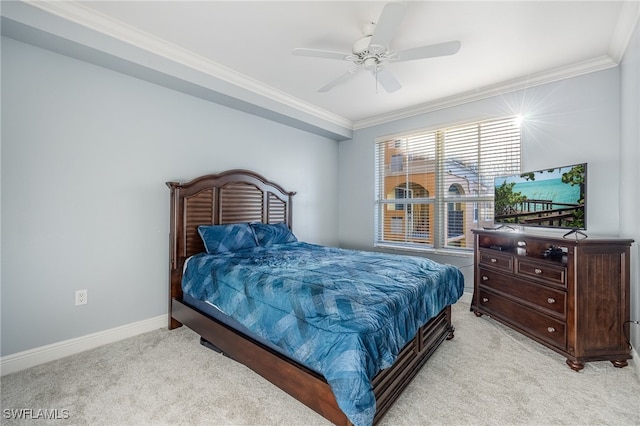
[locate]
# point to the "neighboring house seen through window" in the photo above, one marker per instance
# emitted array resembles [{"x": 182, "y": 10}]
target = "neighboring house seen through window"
[{"x": 433, "y": 187}]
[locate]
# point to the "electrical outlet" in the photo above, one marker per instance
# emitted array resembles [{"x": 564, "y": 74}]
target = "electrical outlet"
[{"x": 81, "y": 297}]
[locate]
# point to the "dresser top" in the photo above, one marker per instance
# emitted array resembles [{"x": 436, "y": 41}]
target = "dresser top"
[{"x": 572, "y": 239}]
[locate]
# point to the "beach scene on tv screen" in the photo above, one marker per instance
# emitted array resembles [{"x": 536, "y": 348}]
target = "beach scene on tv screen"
[{"x": 551, "y": 198}]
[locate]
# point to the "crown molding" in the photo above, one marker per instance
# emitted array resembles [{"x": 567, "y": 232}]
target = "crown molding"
[
  {"x": 574, "y": 70},
  {"x": 79, "y": 14},
  {"x": 627, "y": 20}
]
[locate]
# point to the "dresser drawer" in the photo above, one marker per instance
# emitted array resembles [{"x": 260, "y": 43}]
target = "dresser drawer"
[
  {"x": 494, "y": 259},
  {"x": 542, "y": 271},
  {"x": 543, "y": 327},
  {"x": 526, "y": 292}
]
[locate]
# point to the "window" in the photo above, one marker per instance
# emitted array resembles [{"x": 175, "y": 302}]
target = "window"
[
  {"x": 433, "y": 187},
  {"x": 396, "y": 162}
]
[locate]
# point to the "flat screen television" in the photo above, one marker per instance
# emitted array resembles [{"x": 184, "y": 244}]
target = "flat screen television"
[{"x": 554, "y": 197}]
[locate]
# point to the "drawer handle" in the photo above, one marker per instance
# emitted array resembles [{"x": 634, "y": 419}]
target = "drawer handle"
[
  {"x": 494, "y": 260},
  {"x": 551, "y": 329},
  {"x": 485, "y": 299},
  {"x": 551, "y": 300},
  {"x": 485, "y": 278},
  {"x": 537, "y": 271}
]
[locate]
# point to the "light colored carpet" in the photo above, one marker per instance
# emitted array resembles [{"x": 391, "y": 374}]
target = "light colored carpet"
[{"x": 486, "y": 375}]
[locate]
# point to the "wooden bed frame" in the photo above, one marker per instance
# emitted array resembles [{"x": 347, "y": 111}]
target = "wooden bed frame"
[{"x": 244, "y": 196}]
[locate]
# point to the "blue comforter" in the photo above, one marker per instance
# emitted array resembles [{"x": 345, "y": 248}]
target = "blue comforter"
[{"x": 344, "y": 313}]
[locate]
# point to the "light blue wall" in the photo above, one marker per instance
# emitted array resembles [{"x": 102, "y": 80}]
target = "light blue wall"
[
  {"x": 85, "y": 155},
  {"x": 566, "y": 122},
  {"x": 630, "y": 169}
]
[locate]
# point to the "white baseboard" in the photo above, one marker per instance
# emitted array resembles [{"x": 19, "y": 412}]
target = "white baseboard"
[{"x": 32, "y": 357}]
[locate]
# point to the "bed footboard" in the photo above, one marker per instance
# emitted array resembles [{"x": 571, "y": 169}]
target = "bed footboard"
[
  {"x": 298, "y": 381},
  {"x": 389, "y": 383},
  {"x": 306, "y": 385}
]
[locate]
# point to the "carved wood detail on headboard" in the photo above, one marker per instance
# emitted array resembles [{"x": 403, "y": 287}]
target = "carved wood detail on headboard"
[{"x": 233, "y": 196}]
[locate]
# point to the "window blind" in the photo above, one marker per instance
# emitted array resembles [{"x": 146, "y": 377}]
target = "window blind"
[{"x": 433, "y": 187}]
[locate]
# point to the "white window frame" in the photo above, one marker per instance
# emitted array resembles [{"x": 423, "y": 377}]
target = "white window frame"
[{"x": 488, "y": 162}]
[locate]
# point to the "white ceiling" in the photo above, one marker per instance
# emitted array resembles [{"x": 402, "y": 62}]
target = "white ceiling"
[{"x": 504, "y": 44}]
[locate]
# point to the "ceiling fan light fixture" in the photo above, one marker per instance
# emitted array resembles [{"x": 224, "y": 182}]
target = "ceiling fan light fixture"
[
  {"x": 372, "y": 53},
  {"x": 371, "y": 63}
]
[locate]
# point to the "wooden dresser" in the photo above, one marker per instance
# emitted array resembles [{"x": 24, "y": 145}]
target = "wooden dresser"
[{"x": 571, "y": 295}]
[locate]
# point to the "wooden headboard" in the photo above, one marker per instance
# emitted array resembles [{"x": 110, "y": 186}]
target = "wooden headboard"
[{"x": 233, "y": 196}]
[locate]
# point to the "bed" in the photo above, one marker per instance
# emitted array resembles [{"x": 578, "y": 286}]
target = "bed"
[{"x": 349, "y": 365}]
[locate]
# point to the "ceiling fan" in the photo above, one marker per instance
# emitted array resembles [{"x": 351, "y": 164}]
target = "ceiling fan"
[{"x": 372, "y": 51}]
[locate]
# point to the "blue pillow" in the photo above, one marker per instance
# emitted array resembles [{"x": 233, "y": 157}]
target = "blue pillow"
[
  {"x": 225, "y": 238},
  {"x": 269, "y": 234}
]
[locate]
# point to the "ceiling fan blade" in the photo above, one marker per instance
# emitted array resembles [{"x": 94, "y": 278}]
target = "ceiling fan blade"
[
  {"x": 387, "y": 80},
  {"x": 342, "y": 78},
  {"x": 388, "y": 24},
  {"x": 430, "y": 51},
  {"x": 322, "y": 54}
]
